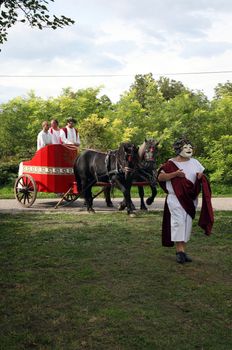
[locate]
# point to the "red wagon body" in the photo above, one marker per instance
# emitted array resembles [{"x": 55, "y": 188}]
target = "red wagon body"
[{"x": 50, "y": 170}]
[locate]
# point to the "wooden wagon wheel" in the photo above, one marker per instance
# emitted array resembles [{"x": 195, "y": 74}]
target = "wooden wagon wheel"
[{"x": 25, "y": 190}]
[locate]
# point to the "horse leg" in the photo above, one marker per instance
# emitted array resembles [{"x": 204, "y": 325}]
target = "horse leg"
[
  {"x": 150, "y": 199},
  {"x": 87, "y": 191},
  {"x": 90, "y": 200},
  {"x": 107, "y": 191},
  {"x": 130, "y": 205},
  {"x": 141, "y": 195},
  {"x": 126, "y": 203},
  {"x": 122, "y": 205}
]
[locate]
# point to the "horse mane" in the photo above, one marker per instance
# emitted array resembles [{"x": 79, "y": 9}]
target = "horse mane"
[
  {"x": 141, "y": 150},
  {"x": 123, "y": 149},
  {"x": 120, "y": 153}
]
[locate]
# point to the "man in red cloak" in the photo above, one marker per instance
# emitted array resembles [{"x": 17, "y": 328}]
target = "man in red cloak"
[{"x": 182, "y": 178}]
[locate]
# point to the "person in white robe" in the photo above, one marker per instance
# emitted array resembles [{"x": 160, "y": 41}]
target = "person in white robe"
[
  {"x": 54, "y": 131},
  {"x": 181, "y": 222},
  {"x": 70, "y": 135},
  {"x": 44, "y": 137}
]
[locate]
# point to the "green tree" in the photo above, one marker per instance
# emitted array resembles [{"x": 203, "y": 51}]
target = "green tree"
[
  {"x": 127, "y": 119},
  {"x": 170, "y": 88},
  {"x": 219, "y": 160},
  {"x": 144, "y": 86},
  {"x": 33, "y": 12},
  {"x": 140, "y": 108},
  {"x": 187, "y": 114},
  {"x": 220, "y": 118},
  {"x": 19, "y": 120},
  {"x": 95, "y": 133},
  {"x": 223, "y": 89},
  {"x": 81, "y": 104}
]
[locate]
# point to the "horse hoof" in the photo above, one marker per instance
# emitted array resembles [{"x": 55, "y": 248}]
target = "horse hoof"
[
  {"x": 110, "y": 205},
  {"x": 144, "y": 208},
  {"x": 149, "y": 201},
  {"x": 91, "y": 211},
  {"x": 121, "y": 207}
]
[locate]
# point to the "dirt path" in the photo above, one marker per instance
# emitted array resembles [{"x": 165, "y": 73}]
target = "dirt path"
[{"x": 45, "y": 205}]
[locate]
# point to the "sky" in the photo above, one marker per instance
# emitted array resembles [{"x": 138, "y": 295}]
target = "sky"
[{"x": 112, "y": 41}]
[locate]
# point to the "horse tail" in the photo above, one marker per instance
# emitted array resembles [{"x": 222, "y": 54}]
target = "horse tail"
[{"x": 77, "y": 176}]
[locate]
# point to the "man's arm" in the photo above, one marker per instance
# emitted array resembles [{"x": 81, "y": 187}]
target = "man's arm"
[
  {"x": 168, "y": 176},
  {"x": 63, "y": 137},
  {"x": 78, "y": 142}
]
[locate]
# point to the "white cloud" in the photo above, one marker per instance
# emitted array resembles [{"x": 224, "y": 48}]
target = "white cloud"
[{"x": 121, "y": 37}]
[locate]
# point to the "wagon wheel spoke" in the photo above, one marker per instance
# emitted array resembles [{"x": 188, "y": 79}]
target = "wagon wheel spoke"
[
  {"x": 30, "y": 189},
  {"x": 27, "y": 197},
  {"x": 21, "y": 182},
  {"x": 24, "y": 199},
  {"x": 20, "y": 196},
  {"x": 25, "y": 181}
]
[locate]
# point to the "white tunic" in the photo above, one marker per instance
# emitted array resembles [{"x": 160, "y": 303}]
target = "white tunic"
[
  {"x": 181, "y": 222},
  {"x": 43, "y": 139},
  {"x": 72, "y": 136},
  {"x": 55, "y": 135}
]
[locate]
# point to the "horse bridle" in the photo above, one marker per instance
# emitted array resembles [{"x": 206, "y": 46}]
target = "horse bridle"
[
  {"x": 151, "y": 152},
  {"x": 129, "y": 157}
]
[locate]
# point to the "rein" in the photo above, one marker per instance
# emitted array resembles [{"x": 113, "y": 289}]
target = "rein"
[{"x": 122, "y": 160}]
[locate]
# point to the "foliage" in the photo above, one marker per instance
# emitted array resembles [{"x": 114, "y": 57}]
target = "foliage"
[
  {"x": 33, "y": 12},
  {"x": 163, "y": 109},
  {"x": 20, "y": 119},
  {"x": 8, "y": 173},
  {"x": 219, "y": 161},
  {"x": 223, "y": 89},
  {"x": 95, "y": 133},
  {"x": 170, "y": 88}
]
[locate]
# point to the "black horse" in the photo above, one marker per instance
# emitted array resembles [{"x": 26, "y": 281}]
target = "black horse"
[
  {"x": 115, "y": 167},
  {"x": 145, "y": 172}
]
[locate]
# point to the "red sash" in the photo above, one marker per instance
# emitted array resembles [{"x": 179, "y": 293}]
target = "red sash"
[{"x": 66, "y": 131}]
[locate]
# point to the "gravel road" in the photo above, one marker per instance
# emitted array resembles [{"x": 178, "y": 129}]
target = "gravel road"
[{"x": 47, "y": 205}]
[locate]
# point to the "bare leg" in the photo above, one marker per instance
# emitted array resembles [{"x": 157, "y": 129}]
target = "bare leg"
[{"x": 180, "y": 247}]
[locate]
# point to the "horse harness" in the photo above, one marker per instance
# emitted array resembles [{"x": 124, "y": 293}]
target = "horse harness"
[{"x": 120, "y": 164}]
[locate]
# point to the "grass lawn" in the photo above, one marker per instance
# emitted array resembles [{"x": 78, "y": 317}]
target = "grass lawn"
[{"x": 103, "y": 281}]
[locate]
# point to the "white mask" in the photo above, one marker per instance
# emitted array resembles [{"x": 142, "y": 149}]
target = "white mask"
[{"x": 187, "y": 151}]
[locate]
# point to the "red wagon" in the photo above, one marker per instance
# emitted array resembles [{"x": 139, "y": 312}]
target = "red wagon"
[{"x": 51, "y": 171}]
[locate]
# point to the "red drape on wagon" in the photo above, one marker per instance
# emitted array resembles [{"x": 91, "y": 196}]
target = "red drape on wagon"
[{"x": 52, "y": 168}]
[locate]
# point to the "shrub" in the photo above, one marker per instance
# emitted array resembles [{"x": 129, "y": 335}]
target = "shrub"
[{"x": 8, "y": 173}]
